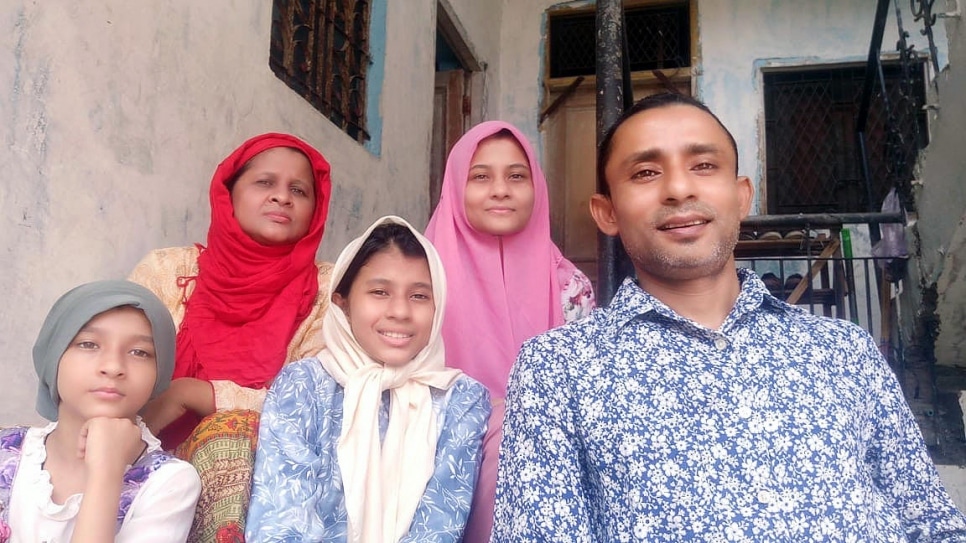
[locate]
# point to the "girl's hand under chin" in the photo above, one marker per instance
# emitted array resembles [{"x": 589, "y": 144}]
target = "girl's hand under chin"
[{"x": 109, "y": 445}]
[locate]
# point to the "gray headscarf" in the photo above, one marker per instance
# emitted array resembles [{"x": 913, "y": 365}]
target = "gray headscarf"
[{"x": 73, "y": 310}]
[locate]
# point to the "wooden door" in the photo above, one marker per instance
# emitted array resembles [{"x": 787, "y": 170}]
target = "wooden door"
[
  {"x": 571, "y": 140},
  {"x": 450, "y": 117}
]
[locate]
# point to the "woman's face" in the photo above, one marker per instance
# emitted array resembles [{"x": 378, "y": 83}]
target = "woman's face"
[
  {"x": 390, "y": 306},
  {"x": 499, "y": 188},
  {"x": 274, "y": 197}
]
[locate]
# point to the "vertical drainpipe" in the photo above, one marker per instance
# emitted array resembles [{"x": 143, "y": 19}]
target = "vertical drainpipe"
[
  {"x": 872, "y": 69},
  {"x": 610, "y": 105}
]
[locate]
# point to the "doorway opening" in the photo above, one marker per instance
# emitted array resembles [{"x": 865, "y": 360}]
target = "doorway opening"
[{"x": 453, "y": 104}]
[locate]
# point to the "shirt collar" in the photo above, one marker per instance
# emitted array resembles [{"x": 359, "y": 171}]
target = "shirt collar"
[
  {"x": 754, "y": 295},
  {"x": 629, "y": 302},
  {"x": 632, "y": 301}
]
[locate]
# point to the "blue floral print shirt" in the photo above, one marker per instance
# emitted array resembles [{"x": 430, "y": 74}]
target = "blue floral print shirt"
[
  {"x": 637, "y": 424},
  {"x": 297, "y": 489}
]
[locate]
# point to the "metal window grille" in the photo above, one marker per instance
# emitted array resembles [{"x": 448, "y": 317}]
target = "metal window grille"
[
  {"x": 657, "y": 37},
  {"x": 320, "y": 49},
  {"x": 812, "y": 155}
]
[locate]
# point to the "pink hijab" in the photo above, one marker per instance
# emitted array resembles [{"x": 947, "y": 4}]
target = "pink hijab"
[{"x": 492, "y": 308}]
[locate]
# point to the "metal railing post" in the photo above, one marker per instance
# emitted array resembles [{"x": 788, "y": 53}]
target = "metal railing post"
[{"x": 610, "y": 106}]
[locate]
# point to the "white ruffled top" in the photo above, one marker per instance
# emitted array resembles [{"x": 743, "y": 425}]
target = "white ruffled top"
[{"x": 162, "y": 510}]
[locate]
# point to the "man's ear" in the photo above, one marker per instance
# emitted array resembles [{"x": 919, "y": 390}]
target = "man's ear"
[
  {"x": 746, "y": 193},
  {"x": 602, "y": 210}
]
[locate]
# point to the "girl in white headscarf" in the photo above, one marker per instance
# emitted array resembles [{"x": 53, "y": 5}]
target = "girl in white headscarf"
[{"x": 374, "y": 440}]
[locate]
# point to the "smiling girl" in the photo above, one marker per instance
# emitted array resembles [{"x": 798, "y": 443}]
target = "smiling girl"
[
  {"x": 96, "y": 473},
  {"x": 374, "y": 440}
]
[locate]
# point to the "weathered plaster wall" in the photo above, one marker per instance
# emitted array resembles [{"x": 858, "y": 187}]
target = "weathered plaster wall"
[
  {"x": 479, "y": 24},
  {"x": 114, "y": 114},
  {"x": 738, "y": 38},
  {"x": 523, "y": 37},
  {"x": 942, "y": 203}
]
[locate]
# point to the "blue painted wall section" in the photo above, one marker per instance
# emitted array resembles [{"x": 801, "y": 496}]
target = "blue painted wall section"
[{"x": 376, "y": 75}]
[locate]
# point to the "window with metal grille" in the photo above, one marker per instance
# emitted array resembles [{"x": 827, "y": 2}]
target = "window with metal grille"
[
  {"x": 320, "y": 49},
  {"x": 657, "y": 37},
  {"x": 812, "y": 153}
]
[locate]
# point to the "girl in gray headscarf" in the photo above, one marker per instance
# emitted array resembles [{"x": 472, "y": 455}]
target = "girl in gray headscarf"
[{"x": 96, "y": 473}]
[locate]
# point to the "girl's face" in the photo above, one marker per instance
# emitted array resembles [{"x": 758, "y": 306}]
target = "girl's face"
[
  {"x": 499, "y": 189},
  {"x": 274, "y": 198},
  {"x": 390, "y": 306},
  {"x": 109, "y": 368}
]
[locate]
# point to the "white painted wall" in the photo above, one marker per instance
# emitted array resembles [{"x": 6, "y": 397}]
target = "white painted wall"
[
  {"x": 739, "y": 37},
  {"x": 479, "y": 23},
  {"x": 114, "y": 115}
]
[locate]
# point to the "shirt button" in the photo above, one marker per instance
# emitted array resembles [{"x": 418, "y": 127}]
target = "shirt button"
[{"x": 720, "y": 343}]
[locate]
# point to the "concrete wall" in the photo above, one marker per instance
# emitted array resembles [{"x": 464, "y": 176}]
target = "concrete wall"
[
  {"x": 522, "y": 74},
  {"x": 941, "y": 202},
  {"x": 739, "y": 38},
  {"x": 736, "y": 40},
  {"x": 114, "y": 115}
]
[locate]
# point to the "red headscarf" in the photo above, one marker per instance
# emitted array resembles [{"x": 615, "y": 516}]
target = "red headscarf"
[{"x": 249, "y": 298}]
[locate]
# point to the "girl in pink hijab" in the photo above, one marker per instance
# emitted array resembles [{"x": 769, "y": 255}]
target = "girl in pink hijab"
[{"x": 507, "y": 280}]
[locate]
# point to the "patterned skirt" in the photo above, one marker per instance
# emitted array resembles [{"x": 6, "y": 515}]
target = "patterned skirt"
[{"x": 222, "y": 449}]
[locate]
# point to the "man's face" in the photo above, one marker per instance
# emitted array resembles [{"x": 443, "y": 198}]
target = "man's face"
[{"x": 675, "y": 199}]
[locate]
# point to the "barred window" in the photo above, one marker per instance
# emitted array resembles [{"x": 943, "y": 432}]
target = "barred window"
[
  {"x": 320, "y": 49},
  {"x": 811, "y": 150},
  {"x": 658, "y": 37}
]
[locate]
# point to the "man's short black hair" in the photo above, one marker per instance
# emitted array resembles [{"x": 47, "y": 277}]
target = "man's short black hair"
[{"x": 653, "y": 101}]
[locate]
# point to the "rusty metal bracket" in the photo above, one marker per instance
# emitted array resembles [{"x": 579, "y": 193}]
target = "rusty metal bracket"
[{"x": 558, "y": 101}]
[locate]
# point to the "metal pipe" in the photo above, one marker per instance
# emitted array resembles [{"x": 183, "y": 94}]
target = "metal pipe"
[
  {"x": 610, "y": 106},
  {"x": 822, "y": 219},
  {"x": 871, "y": 71}
]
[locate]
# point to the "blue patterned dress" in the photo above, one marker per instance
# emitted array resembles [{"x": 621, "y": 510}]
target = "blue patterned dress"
[
  {"x": 637, "y": 424},
  {"x": 297, "y": 493}
]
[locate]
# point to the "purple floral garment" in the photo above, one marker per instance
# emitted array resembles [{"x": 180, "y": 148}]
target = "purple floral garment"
[
  {"x": 11, "y": 441},
  {"x": 135, "y": 476}
]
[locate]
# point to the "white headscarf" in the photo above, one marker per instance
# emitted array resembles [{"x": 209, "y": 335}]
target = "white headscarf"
[{"x": 384, "y": 482}]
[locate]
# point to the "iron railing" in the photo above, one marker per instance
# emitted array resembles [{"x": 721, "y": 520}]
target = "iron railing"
[
  {"x": 846, "y": 289},
  {"x": 817, "y": 262}
]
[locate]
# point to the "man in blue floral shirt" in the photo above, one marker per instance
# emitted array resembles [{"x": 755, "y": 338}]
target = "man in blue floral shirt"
[{"x": 698, "y": 407}]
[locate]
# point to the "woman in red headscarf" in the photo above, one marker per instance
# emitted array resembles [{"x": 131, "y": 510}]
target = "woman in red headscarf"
[{"x": 245, "y": 304}]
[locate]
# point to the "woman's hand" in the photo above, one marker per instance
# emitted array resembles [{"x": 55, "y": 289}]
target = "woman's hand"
[{"x": 185, "y": 394}]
